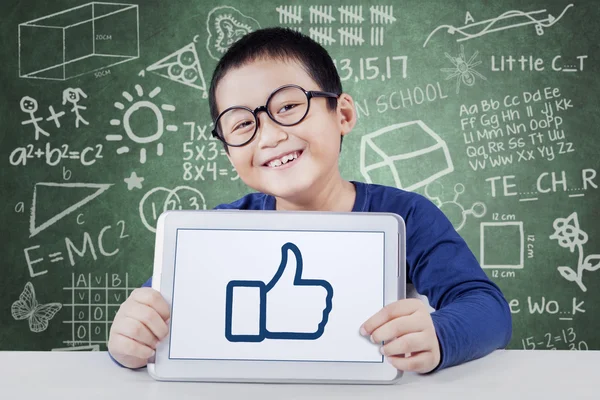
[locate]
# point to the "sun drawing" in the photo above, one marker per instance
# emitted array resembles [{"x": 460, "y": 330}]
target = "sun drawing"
[{"x": 131, "y": 110}]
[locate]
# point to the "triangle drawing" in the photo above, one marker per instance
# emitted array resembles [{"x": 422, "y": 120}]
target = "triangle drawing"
[
  {"x": 98, "y": 189},
  {"x": 182, "y": 66}
]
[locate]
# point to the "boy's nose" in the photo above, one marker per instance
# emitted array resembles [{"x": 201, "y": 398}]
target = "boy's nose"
[{"x": 269, "y": 132}]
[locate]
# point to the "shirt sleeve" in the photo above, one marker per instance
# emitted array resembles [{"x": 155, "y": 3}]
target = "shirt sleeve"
[{"x": 471, "y": 318}]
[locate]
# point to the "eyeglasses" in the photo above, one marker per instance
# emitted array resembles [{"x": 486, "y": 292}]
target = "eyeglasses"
[{"x": 287, "y": 106}]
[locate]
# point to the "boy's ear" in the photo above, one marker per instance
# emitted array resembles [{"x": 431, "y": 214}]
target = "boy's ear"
[{"x": 346, "y": 113}]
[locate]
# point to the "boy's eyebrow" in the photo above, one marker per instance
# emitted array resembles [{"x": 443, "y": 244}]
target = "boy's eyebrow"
[{"x": 235, "y": 112}]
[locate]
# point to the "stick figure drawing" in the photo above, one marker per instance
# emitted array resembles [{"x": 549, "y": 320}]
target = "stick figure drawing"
[
  {"x": 29, "y": 105},
  {"x": 73, "y": 96}
]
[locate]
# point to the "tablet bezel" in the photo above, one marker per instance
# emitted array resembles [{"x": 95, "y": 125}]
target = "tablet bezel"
[{"x": 160, "y": 367}]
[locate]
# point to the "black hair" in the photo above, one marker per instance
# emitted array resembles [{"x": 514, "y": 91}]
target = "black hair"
[{"x": 280, "y": 44}]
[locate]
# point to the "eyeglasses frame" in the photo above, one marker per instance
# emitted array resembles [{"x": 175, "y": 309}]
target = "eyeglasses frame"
[{"x": 309, "y": 95}]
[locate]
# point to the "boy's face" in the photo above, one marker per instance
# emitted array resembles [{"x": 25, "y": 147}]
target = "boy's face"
[{"x": 315, "y": 140}]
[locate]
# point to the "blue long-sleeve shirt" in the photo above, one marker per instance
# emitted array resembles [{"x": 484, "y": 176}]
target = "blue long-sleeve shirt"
[{"x": 471, "y": 316}]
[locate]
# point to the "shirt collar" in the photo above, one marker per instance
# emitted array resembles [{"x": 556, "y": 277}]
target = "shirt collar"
[{"x": 360, "y": 202}]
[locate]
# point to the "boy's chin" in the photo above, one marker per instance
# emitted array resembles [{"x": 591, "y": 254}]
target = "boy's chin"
[{"x": 297, "y": 190}]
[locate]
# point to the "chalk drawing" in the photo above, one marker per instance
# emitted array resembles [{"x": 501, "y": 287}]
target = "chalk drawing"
[
  {"x": 27, "y": 307},
  {"x": 570, "y": 236},
  {"x": 131, "y": 110},
  {"x": 29, "y": 105},
  {"x": 110, "y": 31},
  {"x": 225, "y": 26},
  {"x": 404, "y": 170},
  {"x": 289, "y": 14},
  {"x": 93, "y": 347},
  {"x": 508, "y": 235},
  {"x": 351, "y": 36},
  {"x": 95, "y": 300},
  {"x": 515, "y": 19},
  {"x": 382, "y": 14},
  {"x": 463, "y": 70},
  {"x": 182, "y": 66},
  {"x": 321, "y": 14},
  {"x": 54, "y": 116},
  {"x": 455, "y": 211},
  {"x": 377, "y": 35},
  {"x": 322, "y": 35},
  {"x": 134, "y": 181},
  {"x": 351, "y": 14},
  {"x": 34, "y": 228},
  {"x": 73, "y": 96},
  {"x": 161, "y": 199}
]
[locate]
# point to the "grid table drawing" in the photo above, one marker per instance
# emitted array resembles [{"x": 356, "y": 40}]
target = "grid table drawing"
[{"x": 93, "y": 307}]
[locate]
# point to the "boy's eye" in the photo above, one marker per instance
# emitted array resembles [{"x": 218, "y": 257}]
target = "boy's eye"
[
  {"x": 242, "y": 126},
  {"x": 287, "y": 107}
]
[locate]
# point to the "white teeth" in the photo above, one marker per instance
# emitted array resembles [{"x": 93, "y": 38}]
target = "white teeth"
[{"x": 283, "y": 160}]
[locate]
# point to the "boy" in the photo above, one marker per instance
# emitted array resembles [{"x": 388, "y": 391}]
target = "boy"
[{"x": 288, "y": 152}]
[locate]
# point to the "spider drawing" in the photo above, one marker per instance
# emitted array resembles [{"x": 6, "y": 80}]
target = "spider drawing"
[{"x": 464, "y": 70}]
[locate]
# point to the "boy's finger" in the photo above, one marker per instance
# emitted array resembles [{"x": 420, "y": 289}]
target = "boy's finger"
[
  {"x": 149, "y": 317},
  {"x": 409, "y": 343},
  {"x": 422, "y": 362},
  {"x": 397, "y": 327},
  {"x": 136, "y": 330},
  {"x": 129, "y": 347},
  {"x": 389, "y": 312},
  {"x": 153, "y": 299}
]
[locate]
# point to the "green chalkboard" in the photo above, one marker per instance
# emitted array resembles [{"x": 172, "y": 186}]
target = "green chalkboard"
[{"x": 490, "y": 109}]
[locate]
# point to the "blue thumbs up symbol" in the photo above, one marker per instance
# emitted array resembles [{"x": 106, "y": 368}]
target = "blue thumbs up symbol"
[{"x": 290, "y": 307}]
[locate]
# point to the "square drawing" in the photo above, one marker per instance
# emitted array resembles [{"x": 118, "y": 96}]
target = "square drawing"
[{"x": 502, "y": 244}]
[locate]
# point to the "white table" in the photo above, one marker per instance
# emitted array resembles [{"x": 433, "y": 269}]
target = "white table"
[{"x": 504, "y": 374}]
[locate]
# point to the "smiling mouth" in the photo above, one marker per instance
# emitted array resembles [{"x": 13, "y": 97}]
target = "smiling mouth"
[{"x": 288, "y": 159}]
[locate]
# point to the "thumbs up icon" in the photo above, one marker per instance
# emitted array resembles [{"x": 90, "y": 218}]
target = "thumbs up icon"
[{"x": 294, "y": 307}]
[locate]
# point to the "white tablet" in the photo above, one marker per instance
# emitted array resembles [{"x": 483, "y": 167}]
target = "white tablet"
[{"x": 272, "y": 296}]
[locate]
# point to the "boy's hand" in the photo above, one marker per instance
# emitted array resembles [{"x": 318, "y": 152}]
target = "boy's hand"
[
  {"x": 407, "y": 329},
  {"x": 138, "y": 326}
]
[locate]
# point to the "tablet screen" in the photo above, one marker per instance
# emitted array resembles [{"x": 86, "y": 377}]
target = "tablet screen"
[{"x": 275, "y": 295}]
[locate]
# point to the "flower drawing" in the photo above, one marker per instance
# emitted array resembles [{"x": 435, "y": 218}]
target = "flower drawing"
[{"x": 570, "y": 236}]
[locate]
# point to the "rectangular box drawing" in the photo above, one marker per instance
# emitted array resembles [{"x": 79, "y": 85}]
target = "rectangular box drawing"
[
  {"x": 423, "y": 158},
  {"x": 78, "y": 41},
  {"x": 502, "y": 245}
]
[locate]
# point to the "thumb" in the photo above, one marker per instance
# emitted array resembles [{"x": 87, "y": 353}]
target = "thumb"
[{"x": 290, "y": 268}]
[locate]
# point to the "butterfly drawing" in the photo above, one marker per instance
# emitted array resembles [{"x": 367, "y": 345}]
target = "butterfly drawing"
[{"x": 27, "y": 307}]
